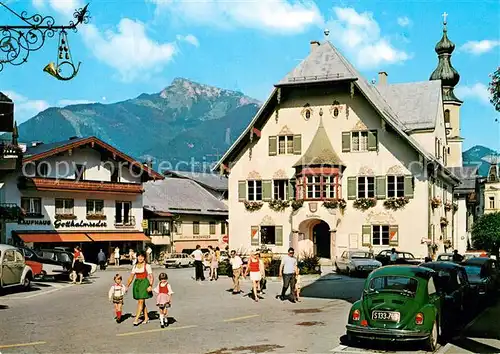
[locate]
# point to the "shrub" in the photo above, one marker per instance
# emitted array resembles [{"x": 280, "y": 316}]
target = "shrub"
[{"x": 309, "y": 264}]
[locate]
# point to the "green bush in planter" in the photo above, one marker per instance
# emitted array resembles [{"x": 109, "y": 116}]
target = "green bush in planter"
[
  {"x": 309, "y": 264},
  {"x": 225, "y": 269}
]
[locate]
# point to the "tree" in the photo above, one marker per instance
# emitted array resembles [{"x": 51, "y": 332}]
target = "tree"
[
  {"x": 486, "y": 233},
  {"x": 494, "y": 89}
]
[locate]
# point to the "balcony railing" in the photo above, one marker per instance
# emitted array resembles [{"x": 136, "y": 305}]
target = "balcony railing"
[
  {"x": 125, "y": 221},
  {"x": 70, "y": 185}
]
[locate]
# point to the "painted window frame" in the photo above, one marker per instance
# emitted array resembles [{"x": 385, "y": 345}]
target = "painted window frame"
[
  {"x": 94, "y": 209},
  {"x": 125, "y": 219},
  {"x": 65, "y": 209},
  {"x": 31, "y": 209},
  {"x": 360, "y": 134},
  {"x": 264, "y": 240},
  {"x": 324, "y": 186},
  {"x": 287, "y": 148},
  {"x": 255, "y": 183},
  {"x": 276, "y": 188},
  {"x": 398, "y": 186},
  {"x": 366, "y": 191},
  {"x": 381, "y": 231},
  {"x": 491, "y": 202}
]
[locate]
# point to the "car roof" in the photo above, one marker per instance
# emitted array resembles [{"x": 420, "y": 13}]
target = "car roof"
[
  {"x": 445, "y": 254},
  {"x": 477, "y": 261},
  {"x": 400, "y": 270},
  {"x": 7, "y": 247},
  {"x": 441, "y": 265}
]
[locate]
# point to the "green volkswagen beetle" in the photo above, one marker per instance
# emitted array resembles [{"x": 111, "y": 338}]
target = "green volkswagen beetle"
[{"x": 399, "y": 303}]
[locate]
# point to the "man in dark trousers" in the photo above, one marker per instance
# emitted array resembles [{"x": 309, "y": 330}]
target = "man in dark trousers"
[
  {"x": 198, "y": 263},
  {"x": 101, "y": 259},
  {"x": 288, "y": 270}
]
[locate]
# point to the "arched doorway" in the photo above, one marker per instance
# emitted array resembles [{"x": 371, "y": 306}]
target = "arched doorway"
[{"x": 321, "y": 239}]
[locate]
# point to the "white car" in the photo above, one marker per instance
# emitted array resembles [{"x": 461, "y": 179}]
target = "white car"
[
  {"x": 356, "y": 261},
  {"x": 179, "y": 260},
  {"x": 13, "y": 268}
]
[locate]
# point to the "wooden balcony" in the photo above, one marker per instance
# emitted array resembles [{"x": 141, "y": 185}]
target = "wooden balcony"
[
  {"x": 10, "y": 156},
  {"x": 71, "y": 185}
]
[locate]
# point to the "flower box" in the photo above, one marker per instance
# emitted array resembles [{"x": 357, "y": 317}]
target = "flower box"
[
  {"x": 65, "y": 217},
  {"x": 364, "y": 203},
  {"x": 335, "y": 203},
  {"x": 297, "y": 204},
  {"x": 396, "y": 203},
  {"x": 435, "y": 203},
  {"x": 253, "y": 206},
  {"x": 279, "y": 205}
]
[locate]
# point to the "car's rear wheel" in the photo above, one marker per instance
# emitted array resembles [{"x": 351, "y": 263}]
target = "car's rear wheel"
[
  {"x": 27, "y": 281},
  {"x": 432, "y": 341}
]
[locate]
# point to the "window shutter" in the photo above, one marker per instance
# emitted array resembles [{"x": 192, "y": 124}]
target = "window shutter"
[
  {"x": 430, "y": 228},
  {"x": 393, "y": 235},
  {"x": 291, "y": 189},
  {"x": 242, "y": 191},
  {"x": 346, "y": 141},
  {"x": 254, "y": 234},
  {"x": 297, "y": 144},
  {"x": 381, "y": 187},
  {"x": 351, "y": 188},
  {"x": 409, "y": 181},
  {"x": 267, "y": 189},
  {"x": 366, "y": 235},
  {"x": 278, "y": 234},
  {"x": 273, "y": 145},
  {"x": 372, "y": 140}
]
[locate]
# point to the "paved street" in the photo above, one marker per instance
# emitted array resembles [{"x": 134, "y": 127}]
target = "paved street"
[{"x": 206, "y": 318}]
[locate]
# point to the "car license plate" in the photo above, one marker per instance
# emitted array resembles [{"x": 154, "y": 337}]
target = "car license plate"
[{"x": 386, "y": 316}]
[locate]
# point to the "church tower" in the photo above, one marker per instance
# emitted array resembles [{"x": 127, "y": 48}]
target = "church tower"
[{"x": 449, "y": 79}]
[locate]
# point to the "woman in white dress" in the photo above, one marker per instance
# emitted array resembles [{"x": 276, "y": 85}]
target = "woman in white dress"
[{"x": 254, "y": 266}]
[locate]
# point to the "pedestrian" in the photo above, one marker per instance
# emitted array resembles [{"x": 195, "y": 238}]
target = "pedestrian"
[
  {"x": 298, "y": 286},
  {"x": 132, "y": 256},
  {"x": 116, "y": 294},
  {"x": 149, "y": 253},
  {"x": 117, "y": 256},
  {"x": 142, "y": 276},
  {"x": 255, "y": 274},
  {"x": 263, "y": 280},
  {"x": 77, "y": 266},
  {"x": 457, "y": 258},
  {"x": 164, "y": 298},
  {"x": 394, "y": 256},
  {"x": 214, "y": 266},
  {"x": 236, "y": 265},
  {"x": 101, "y": 259},
  {"x": 198, "y": 263},
  {"x": 288, "y": 271}
]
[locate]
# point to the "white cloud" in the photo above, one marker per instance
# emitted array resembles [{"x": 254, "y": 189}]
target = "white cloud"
[
  {"x": 279, "y": 16},
  {"x": 64, "y": 103},
  {"x": 480, "y": 47},
  {"x": 477, "y": 91},
  {"x": 360, "y": 36},
  {"x": 25, "y": 108},
  {"x": 404, "y": 21},
  {"x": 189, "y": 38}
]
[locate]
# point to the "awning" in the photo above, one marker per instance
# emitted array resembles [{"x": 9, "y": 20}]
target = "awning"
[
  {"x": 53, "y": 237},
  {"x": 118, "y": 236}
]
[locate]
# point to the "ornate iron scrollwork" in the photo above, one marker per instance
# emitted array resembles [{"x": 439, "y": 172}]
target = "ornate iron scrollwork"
[{"x": 18, "y": 41}]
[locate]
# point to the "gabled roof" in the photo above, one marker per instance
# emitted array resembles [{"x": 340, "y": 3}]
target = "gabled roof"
[
  {"x": 181, "y": 196},
  {"x": 320, "y": 151},
  {"x": 43, "y": 151},
  {"x": 211, "y": 180},
  {"x": 367, "y": 90},
  {"x": 468, "y": 178},
  {"x": 323, "y": 64},
  {"x": 416, "y": 103}
]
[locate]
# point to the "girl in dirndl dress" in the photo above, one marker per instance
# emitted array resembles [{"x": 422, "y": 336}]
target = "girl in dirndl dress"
[
  {"x": 142, "y": 276},
  {"x": 116, "y": 294},
  {"x": 164, "y": 298}
]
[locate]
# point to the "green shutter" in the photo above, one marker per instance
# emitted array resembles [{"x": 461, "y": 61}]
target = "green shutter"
[
  {"x": 267, "y": 190},
  {"x": 351, "y": 188},
  {"x": 297, "y": 144},
  {"x": 346, "y": 141},
  {"x": 242, "y": 191},
  {"x": 254, "y": 235},
  {"x": 366, "y": 237},
  {"x": 409, "y": 186},
  {"x": 278, "y": 235},
  {"x": 291, "y": 189},
  {"x": 372, "y": 140},
  {"x": 429, "y": 231},
  {"x": 273, "y": 145},
  {"x": 381, "y": 187},
  {"x": 393, "y": 235}
]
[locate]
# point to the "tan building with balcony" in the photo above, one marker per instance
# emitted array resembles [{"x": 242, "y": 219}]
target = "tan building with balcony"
[
  {"x": 331, "y": 162},
  {"x": 492, "y": 189}
]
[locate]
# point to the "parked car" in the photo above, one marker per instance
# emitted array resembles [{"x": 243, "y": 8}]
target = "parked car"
[
  {"x": 178, "y": 260},
  {"x": 453, "y": 282},
  {"x": 48, "y": 267},
  {"x": 398, "y": 303},
  {"x": 34, "y": 264},
  {"x": 356, "y": 262},
  {"x": 13, "y": 268},
  {"x": 483, "y": 276},
  {"x": 407, "y": 258},
  {"x": 445, "y": 257},
  {"x": 66, "y": 258}
]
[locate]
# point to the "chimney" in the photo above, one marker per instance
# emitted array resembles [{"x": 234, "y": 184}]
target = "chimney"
[
  {"x": 382, "y": 78},
  {"x": 314, "y": 45}
]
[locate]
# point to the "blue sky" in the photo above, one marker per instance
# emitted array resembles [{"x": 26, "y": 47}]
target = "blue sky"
[{"x": 136, "y": 46}]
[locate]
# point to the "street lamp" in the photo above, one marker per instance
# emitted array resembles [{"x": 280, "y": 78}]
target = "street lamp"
[{"x": 18, "y": 41}]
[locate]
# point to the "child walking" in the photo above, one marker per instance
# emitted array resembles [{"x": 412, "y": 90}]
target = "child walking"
[
  {"x": 164, "y": 298},
  {"x": 116, "y": 294}
]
